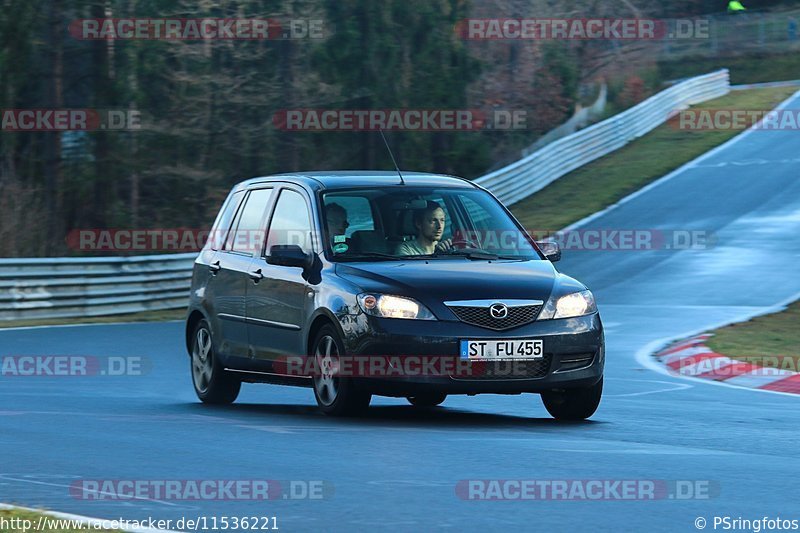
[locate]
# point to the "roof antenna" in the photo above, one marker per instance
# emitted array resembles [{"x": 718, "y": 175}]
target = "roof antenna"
[{"x": 402, "y": 181}]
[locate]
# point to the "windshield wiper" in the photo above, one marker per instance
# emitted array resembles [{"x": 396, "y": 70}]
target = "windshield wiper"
[
  {"x": 379, "y": 255},
  {"x": 476, "y": 255}
]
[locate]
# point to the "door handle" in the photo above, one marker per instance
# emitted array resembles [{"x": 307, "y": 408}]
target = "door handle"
[
  {"x": 256, "y": 275},
  {"x": 214, "y": 268}
]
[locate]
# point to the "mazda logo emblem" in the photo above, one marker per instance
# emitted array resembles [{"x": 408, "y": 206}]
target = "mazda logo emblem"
[{"x": 498, "y": 311}]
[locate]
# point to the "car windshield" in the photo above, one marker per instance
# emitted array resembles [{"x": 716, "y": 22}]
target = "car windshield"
[{"x": 407, "y": 223}]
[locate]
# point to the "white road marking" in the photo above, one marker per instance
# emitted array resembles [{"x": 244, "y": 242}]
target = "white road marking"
[
  {"x": 68, "y": 487},
  {"x": 672, "y": 387},
  {"x": 605, "y": 446}
]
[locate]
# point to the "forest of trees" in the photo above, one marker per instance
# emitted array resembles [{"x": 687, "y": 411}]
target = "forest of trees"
[{"x": 207, "y": 106}]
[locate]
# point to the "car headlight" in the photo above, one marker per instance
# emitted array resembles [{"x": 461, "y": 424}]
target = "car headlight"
[
  {"x": 569, "y": 306},
  {"x": 387, "y": 306}
]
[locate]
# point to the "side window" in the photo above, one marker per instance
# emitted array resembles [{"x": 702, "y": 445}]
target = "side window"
[
  {"x": 291, "y": 222},
  {"x": 249, "y": 234},
  {"x": 222, "y": 225},
  {"x": 357, "y": 213}
]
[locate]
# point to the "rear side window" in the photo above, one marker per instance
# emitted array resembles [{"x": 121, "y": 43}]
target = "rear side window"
[
  {"x": 249, "y": 234},
  {"x": 291, "y": 223},
  {"x": 222, "y": 225}
]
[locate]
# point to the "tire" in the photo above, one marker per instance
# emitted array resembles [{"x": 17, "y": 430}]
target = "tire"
[
  {"x": 212, "y": 384},
  {"x": 430, "y": 399},
  {"x": 336, "y": 396},
  {"x": 573, "y": 404}
]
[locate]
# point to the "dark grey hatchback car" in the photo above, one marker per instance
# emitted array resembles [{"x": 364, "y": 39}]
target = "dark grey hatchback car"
[{"x": 370, "y": 283}]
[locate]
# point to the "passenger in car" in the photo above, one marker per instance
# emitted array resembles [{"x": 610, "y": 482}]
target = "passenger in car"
[
  {"x": 336, "y": 218},
  {"x": 430, "y": 224}
]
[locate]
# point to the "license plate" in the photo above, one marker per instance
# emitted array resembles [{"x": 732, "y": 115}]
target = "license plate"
[{"x": 505, "y": 349}]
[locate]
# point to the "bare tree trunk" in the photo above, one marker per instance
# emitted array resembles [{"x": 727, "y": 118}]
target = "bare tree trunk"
[
  {"x": 133, "y": 82},
  {"x": 102, "y": 97},
  {"x": 53, "y": 193},
  {"x": 438, "y": 147},
  {"x": 288, "y": 149}
]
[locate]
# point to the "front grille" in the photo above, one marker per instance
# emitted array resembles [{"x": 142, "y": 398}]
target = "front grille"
[
  {"x": 480, "y": 316},
  {"x": 491, "y": 370}
]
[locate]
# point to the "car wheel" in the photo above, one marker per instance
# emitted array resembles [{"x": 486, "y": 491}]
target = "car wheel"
[
  {"x": 212, "y": 383},
  {"x": 573, "y": 404},
  {"x": 431, "y": 399},
  {"x": 336, "y": 395}
]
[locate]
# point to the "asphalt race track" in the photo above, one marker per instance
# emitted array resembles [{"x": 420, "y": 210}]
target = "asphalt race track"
[{"x": 397, "y": 468}]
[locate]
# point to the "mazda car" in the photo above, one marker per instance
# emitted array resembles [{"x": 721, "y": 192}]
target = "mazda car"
[{"x": 401, "y": 284}]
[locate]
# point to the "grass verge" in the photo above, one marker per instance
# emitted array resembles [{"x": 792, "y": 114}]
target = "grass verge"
[
  {"x": 769, "y": 340},
  {"x": 18, "y": 520},
  {"x": 754, "y": 68},
  {"x": 609, "y": 179}
]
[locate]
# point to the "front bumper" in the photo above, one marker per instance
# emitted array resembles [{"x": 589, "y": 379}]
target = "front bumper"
[{"x": 574, "y": 355}]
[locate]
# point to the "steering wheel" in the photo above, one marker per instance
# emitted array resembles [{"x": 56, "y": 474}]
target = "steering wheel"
[{"x": 461, "y": 243}]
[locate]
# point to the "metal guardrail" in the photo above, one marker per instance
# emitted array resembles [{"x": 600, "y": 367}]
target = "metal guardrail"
[
  {"x": 94, "y": 286},
  {"x": 534, "y": 172},
  {"x": 86, "y": 287},
  {"x": 580, "y": 119}
]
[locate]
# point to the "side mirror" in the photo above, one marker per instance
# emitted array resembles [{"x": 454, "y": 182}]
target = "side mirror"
[
  {"x": 551, "y": 250},
  {"x": 290, "y": 255}
]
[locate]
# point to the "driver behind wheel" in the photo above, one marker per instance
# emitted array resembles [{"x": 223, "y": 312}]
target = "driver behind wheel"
[{"x": 430, "y": 223}]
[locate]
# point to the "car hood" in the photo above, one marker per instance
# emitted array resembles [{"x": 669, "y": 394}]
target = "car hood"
[{"x": 443, "y": 280}]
